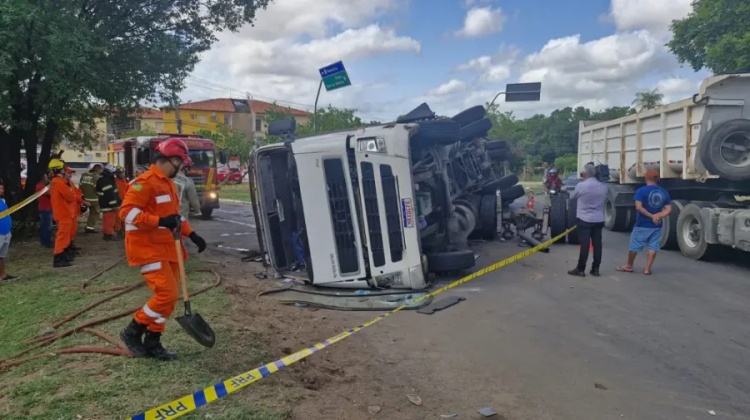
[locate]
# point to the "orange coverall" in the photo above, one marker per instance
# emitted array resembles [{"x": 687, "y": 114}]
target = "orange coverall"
[
  {"x": 122, "y": 188},
  {"x": 152, "y": 247},
  {"x": 63, "y": 200}
]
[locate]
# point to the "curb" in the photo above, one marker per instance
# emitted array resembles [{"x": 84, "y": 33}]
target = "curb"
[{"x": 227, "y": 200}]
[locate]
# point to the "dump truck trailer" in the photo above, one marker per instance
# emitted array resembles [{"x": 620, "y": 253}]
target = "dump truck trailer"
[{"x": 701, "y": 148}]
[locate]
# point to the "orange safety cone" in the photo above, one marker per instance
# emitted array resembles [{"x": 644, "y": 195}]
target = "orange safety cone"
[
  {"x": 530, "y": 202},
  {"x": 591, "y": 246}
]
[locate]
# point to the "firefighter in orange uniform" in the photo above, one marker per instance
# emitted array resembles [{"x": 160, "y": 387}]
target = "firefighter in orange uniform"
[
  {"x": 122, "y": 188},
  {"x": 151, "y": 212},
  {"x": 61, "y": 199},
  {"x": 79, "y": 207}
]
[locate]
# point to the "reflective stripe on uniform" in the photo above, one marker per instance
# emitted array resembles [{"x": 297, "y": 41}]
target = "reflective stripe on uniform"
[
  {"x": 161, "y": 199},
  {"x": 158, "y": 318},
  {"x": 129, "y": 227},
  {"x": 132, "y": 215},
  {"x": 108, "y": 187},
  {"x": 149, "y": 268}
]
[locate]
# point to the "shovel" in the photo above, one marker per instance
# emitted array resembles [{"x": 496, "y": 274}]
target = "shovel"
[{"x": 194, "y": 324}]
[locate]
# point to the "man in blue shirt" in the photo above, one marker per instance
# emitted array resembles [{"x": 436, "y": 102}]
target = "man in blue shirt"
[
  {"x": 5, "y": 225},
  {"x": 652, "y": 203}
]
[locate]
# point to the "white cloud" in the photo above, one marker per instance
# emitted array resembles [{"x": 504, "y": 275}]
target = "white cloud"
[
  {"x": 481, "y": 21},
  {"x": 279, "y": 57},
  {"x": 450, "y": 87},
  {"x": 677, "y": 88},
  {"x": 652, "y": 15}
]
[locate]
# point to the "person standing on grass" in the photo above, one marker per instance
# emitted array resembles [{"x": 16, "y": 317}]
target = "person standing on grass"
[
  {"x": 652, "y": 203},
  {"x": 188, "y": 194},
  {"x": 45, "y": 214},
  {"x": 590, "y": 195},
  {"x": 5, "y": 225}
]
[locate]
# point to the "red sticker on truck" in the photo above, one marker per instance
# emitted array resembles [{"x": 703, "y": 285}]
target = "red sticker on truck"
[{"x": 407, "y": 212}]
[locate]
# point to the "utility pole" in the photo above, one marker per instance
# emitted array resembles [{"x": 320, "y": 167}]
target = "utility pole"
[{"x": 176, "y": 105}]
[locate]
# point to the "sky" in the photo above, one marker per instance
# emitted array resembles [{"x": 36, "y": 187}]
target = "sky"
[{"x": 451, "y": 54}]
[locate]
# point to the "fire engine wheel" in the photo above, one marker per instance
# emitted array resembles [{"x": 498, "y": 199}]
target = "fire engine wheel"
[
  {"x": 442, "y": 262},
  {"x": 558, "y": 218},
  {"x": 206, "y": 212},
  {"x": 488, "y": 217}
]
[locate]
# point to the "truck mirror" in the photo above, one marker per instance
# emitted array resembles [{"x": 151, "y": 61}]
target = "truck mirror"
[{"x": 223, "y": 157}]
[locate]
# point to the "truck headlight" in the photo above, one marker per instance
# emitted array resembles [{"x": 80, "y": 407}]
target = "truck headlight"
[
  {"x": 212, "y": 195},
  {"x": 371, "y": 145}
]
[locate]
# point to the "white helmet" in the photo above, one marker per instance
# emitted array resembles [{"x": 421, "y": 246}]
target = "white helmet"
[
  {"x": 94, "y": 165},
  {"x": 110, "y": 168}
]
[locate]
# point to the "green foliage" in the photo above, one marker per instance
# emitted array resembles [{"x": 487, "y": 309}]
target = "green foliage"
[
  {"x": 230, "y": 140},
  {"x": 650, "y": 99},
  {"x": 329, "y": 119},
  {"x": 566, "y": 163},
  {"x": 715, "y": 35},
  {"x": 65, "y": 63},
  {"x": 543, "y": 138}
]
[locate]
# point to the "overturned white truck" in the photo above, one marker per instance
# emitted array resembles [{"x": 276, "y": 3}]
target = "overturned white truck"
[
  {"x": 380, "y": 206},
  {"x": 701, "y": 148}
]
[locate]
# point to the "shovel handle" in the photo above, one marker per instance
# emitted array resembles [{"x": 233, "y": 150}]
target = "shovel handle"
[{"x": 181, "y": 264}]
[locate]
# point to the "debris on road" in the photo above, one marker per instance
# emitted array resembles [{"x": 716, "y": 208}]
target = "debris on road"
[
  {"x": 414, "y": 399},
  {"x": 374, "y": 409},
  {"x": 600, "y": 386},
  {"x": 487, "y": 412},
  {"x": 712, "y": 412},
  {"x": 448, "y": 416},
  {"x": 441, "y": 304}
]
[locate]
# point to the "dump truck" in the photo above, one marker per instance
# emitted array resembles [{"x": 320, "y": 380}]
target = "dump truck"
[{"x": 701, "y": 148}]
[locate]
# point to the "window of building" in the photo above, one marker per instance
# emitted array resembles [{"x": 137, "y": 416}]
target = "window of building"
[
  {"x": 202, "y": 119},
  {"x": 214, "y": 118},
  {"x": 259, "y": 124},
  {"x": 228, "y": 119}
]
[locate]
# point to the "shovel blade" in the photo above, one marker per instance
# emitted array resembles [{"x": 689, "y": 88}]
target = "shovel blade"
[{"x": 198, "y": 328}]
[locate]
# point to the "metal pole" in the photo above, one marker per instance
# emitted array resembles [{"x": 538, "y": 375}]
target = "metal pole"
[
  {"x": 176, "y": 106},
  {"x": 494, "y": 99},
  {"x": 315, "y": 110}
]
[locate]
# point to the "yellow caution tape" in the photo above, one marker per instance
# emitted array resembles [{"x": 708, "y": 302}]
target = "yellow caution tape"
[
  {"x": 23, "y": 203},
  {"x": 191, "y": 402}
]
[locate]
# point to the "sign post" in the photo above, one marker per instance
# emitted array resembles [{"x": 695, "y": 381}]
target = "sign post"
[
  {"x": 520, "y": 92},
  {"x": 333, "y": 76}
]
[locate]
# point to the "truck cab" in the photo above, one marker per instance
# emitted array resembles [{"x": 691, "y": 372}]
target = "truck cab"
[{"x": 135, "y": 154}]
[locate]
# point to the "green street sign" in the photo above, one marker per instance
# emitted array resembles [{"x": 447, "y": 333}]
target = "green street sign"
[{"x": 336, "y": 81}]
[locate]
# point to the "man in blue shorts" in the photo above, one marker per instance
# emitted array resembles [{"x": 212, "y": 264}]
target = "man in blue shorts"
[{"x": 652, "y": 203}]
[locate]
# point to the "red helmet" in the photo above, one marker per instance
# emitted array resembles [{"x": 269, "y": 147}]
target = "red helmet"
[{"x": 174, "y": 147}]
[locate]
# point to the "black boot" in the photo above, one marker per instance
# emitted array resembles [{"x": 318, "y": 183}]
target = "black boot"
[
  {"x": 132, "y": 336},
  {"x": 595, "y": 272},
  {"x": 75, "y": 250},
  {"x": 69, "y": 254},
  {"x": 60, "y": 261},
  {"x": 152, "y": 343}
]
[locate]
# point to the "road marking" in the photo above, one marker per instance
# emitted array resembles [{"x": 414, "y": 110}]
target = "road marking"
[
  {"x": 235, "y": 222},
  {"x": 236, "y": 234}
]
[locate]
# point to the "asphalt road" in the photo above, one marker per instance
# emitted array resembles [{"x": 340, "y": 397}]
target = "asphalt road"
[{"x": 673, "y": 345}]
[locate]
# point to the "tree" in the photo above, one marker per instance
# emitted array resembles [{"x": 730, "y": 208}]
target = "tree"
[
  {"x": 715, "y": 35},
  {"x": 566, "y": 163},
  {"x": 230, "y": 140},
  {"x": 65, "y": 63},
  {"x": 649, "y": 99},
  {"x": 329, "y": 119}
]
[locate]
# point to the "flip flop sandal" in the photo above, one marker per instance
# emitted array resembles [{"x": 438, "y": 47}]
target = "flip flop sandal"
[
  {"x": 623, "y": 270},
  {"x": 647, "y": 273}
]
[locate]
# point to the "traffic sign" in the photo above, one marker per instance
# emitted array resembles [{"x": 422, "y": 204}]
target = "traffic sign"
[
  {"x": 334, "y": 76},
  {"x": 523, "y": 92}
]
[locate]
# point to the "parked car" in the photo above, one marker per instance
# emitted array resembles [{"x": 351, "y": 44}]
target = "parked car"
[{"x": 570, "y": 181}]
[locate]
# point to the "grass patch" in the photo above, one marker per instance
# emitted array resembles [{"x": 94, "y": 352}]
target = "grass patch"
[
  {"x": 235, "y": 192},
  {"x": 101, "y": 386}
]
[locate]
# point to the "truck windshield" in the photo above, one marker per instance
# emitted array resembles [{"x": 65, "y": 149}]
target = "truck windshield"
[{"x": 203, "y": 158}]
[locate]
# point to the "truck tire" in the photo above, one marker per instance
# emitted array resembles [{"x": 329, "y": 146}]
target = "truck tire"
[
  {"x": 476, "y": 202},
  {"x": 669, "y": 226},
  {"x": 503, "y": 183},
  {"x": 497, "y": 145},
  {"x": 690, "y": 234},
  {"x": 476, "y": 129},
  {"x": 498, "y": 155},
  {"x": 726, "y": 150},
  {"x": 572, "y": 208},
  {"x": 470, "y": 115},
  {"x": 440, "y": 132},
  {"x": 206, "y": 213},
  {"x": 488, "y": 217},
  {"x": 441, "y": 262},
  {"x": 558, "y": 217},
  {"x": 617, "y": 219},
  {"x": 512, "y": 194}
]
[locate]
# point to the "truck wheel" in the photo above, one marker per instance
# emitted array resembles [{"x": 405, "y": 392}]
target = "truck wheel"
[
  {"x": 476, "y": 129},
  {"x": 440, "y": 132},
  {"x": 726, "y": 150},
  {"x": 616, "y": 219},
  {"x": 206, "y": 212},
  {"x": 513, "y": 193},
  {"x": 470, "y": 115},
  {"x": 503, "y": 183},
  {"x": 691, "y": 234},
  {"x": 572, "y": 208},
  {"x": 488, "y": 217},
  {"x": 476, "y": 202},
  {"x": 669, "y": 226},
  {"x": 558, "y": 217},
  {"x": 496, "y": 145},
  {"x": 441, "y": 262}
]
